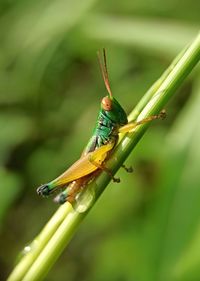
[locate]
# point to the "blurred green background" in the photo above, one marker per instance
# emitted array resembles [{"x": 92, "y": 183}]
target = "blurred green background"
[{"x": 147, "y": 228}]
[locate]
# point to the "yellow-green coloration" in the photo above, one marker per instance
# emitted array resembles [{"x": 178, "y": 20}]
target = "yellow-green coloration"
[{"x": 111, "y": 120}]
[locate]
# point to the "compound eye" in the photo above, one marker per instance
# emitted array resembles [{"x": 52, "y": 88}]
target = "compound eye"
[{"x": 106, "y": 103}]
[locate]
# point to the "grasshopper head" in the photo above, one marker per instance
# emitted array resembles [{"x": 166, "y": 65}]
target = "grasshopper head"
[{"x": 112, "y": 109}]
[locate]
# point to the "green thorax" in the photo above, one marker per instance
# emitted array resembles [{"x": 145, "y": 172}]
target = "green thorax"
[{"x": 107, "y": 125}]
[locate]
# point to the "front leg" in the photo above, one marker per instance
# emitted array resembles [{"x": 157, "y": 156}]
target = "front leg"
[{"x": 132, "y": 125}]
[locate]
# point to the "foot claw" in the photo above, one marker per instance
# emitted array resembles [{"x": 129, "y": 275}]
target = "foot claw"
[
  {"x": 163, "y": 114},
  {"x": 128, "y": 169},
  {"x": 116, "y": 180}
]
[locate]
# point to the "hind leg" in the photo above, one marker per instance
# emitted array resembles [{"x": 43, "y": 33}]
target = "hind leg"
[{"x": 73, "y": 189}]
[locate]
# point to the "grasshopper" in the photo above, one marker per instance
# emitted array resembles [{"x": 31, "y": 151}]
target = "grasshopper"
[{"x": 111, "y": 121}]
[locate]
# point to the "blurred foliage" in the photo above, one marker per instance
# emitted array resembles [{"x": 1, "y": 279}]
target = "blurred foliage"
[{"x": 50, "y": 87}]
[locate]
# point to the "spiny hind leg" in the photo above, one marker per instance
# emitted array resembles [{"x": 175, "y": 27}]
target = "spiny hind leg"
[
  {"x": 132, "y": 125},
  {"x": 61, "y": 198},
  {"x": 73, "y": 189},
  {"x": 69, "y": 193},
  {"x": 64, "y": 196}
]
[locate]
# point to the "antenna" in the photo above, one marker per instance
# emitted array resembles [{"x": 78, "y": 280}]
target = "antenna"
[{"x": 104, "y": 71}]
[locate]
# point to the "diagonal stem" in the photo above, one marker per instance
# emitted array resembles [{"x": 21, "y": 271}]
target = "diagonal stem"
[{"x": 60, "y": 229}]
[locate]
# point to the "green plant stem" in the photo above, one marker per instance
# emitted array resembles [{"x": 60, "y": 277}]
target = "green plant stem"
[
  {"x": 153, "y": 89},
  {"x": 39, "y": 242},
  {"x": 54, "y": 238},
  {"x": 48, "y": 231}
]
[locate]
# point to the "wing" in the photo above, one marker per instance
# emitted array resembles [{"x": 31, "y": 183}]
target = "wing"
[{"x": 84, "y": 166}]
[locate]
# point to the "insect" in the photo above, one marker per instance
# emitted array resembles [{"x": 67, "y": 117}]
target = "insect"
[{"x": 111, "y": 121}]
